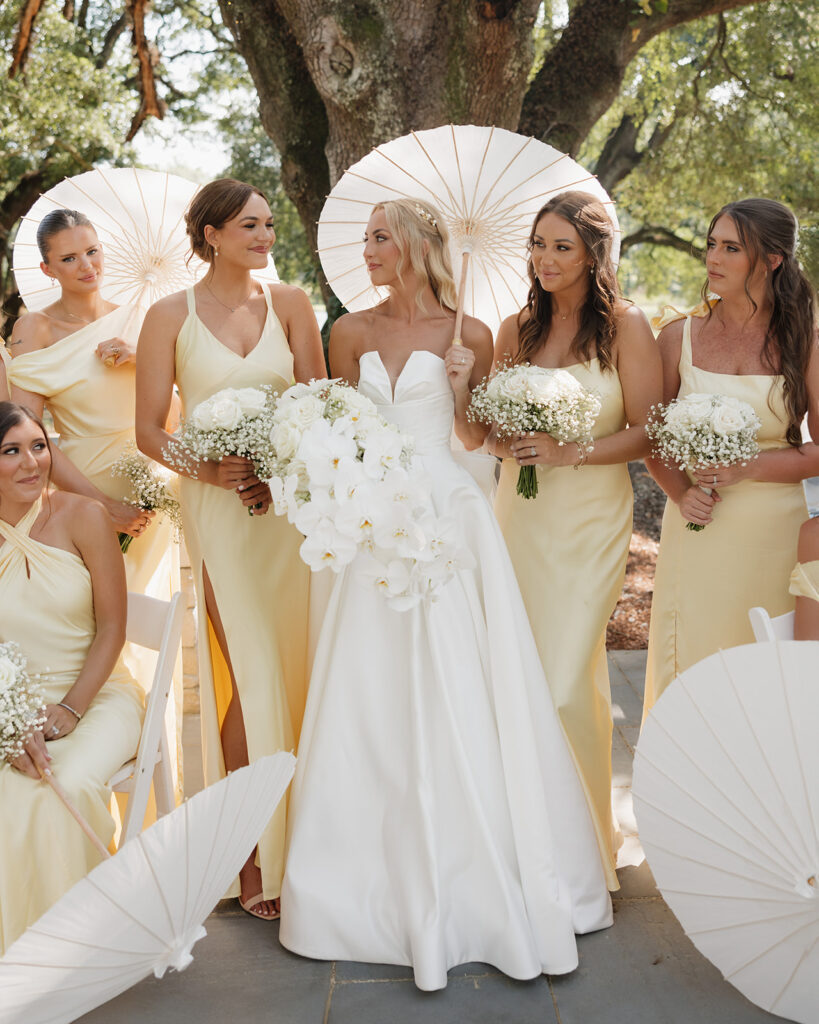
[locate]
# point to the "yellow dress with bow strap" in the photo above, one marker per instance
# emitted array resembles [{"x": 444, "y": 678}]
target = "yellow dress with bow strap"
[
  {"x": 569, "y": 547},
  {"x": 259, "y": 581},
  {"x": 48, "y": 611},
  {"x": 93, "y": 410},
  {"x": 706, "y": 581}
]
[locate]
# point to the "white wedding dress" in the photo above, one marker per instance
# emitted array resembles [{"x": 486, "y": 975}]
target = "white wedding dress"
[{"x": 436, "y": 816}]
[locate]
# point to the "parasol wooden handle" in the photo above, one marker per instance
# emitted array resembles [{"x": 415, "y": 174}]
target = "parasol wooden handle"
[
  {"x": 61, "y": 793},
  {"x": 459, "y": 313}
]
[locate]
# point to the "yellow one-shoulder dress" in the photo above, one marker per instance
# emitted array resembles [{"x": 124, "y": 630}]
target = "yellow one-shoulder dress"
[
  {"x": 259, "y": 581},
  {"x": 93, "y": 410},
  {"x": 569, "y": 547},
  {"x": 804, "y": 581},
  {"x": 48, "y": 610},
  {"x": 706, "y": 581}
]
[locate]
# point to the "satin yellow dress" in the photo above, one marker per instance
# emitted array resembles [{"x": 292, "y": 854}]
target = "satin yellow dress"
[
  {"x": 804, "y": 581},
  {"x": 93, "y": 410},
  {"x": 48, "y": 610},
  {"x": 259, "y": 581},
  {"x": 706, "y": 581},
  {"x": 569, "y": 547}
]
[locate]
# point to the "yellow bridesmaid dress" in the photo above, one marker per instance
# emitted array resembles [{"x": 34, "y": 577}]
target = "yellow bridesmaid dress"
[
  {"x": 804, "y": 581},
  {"x": 706, "y": 581},
  {"x": 93, "y": 410},
  {"x": 48, "y": 611},
  {"x": 259, "y": 581},
  {"x": 569, "y": 547}
]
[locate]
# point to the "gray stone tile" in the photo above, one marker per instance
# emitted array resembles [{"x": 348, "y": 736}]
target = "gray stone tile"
[
  {"x": 633, "y": 666},
  {"x": 348, "y": 970},
  {"x": 644, "y": 970},
  {"x": 239, "y": 974},
  {"x": 192, "y": 771},
  {"x": 622, "y": 761},
  {"x": 475, "y": 999},
  {"x": 631, "y": 706},
  {"x": 636, "y": 882}
]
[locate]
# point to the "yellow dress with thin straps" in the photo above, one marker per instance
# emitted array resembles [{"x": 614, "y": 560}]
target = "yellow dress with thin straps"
[
  {"x": 569, "y": 546},
  {"x": 706, "y": 581},
  {"x": 93, "y": 410},
  {"x": 48, "y": 610},
  {"x": 259, "y": 581}
]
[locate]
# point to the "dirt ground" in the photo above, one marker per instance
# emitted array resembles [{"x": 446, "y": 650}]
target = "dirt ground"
[{"x": 628, "y": 626}]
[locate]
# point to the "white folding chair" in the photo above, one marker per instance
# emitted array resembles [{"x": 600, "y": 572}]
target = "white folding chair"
[
  {"x": 765, "y": 628},
  {"x": 157, "y": 625}
]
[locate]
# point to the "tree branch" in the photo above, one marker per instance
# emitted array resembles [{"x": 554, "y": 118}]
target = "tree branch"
[
  {"x": 583, "y": 72},
  {"x": 653, "y": 234},
  {"x": 115, "y": 30},
  {"x": 22, "y": 41},
  {"x": 147, "y": 60}
]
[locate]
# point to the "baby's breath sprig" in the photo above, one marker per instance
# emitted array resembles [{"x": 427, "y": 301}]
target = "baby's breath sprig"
[
  {"x": 150, "y": 488},
  {"x": 22, "y": 707}
]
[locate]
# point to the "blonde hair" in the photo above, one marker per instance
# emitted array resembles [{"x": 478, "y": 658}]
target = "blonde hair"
[{"x": 411, "y": 223}]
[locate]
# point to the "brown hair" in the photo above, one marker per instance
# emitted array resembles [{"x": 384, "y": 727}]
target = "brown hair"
[
  {"x": 55, "y": 222},
  {"x": 598, "y": 323},
  {"x": 12, "y": 415},
  {"x": 215, "y": 204},
  {"x": 768, "y": 228}
]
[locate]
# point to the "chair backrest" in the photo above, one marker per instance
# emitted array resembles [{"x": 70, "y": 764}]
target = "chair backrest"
[
  {"x": 765, "y": 628},
  {"x": 157, "y": 625}
]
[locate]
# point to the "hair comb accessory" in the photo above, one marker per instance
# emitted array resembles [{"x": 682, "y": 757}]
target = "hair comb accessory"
[{"x": 422, "y": 212}]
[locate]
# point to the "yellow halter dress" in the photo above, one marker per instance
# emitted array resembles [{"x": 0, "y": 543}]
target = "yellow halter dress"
[
  {"x": 569, "y": 547},
  {"x": 706, "y": 581},
  {"x": 48, "y": 610},
  {"x": 259, "y": 581}
]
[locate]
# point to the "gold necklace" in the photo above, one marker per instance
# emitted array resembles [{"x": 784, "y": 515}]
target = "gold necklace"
[
  {"x": 231, "y": 308},
  {"x": 73, "y": 316}
]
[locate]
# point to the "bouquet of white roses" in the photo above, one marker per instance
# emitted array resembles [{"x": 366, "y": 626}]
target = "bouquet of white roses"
[
  {"x": 152, "y": 488},
  {"x": 21, "y": 702},
  {"x": 234, "y": 421},
  {"x": 522, "y": 398},
  {"x": 343, "y": 476},
  {"x": 704, "y": 430}
]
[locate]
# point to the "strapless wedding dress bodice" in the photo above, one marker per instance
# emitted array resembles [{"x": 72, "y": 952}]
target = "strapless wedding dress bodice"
[{"x": 436, "y": 814}]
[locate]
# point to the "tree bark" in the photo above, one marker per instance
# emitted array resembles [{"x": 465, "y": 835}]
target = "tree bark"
[
  {"x": 583, "y": 72},
  {"x": 653, "y": 234},
  {"x": 151, "y": 104},
  {"x": 22, "y": 41}
]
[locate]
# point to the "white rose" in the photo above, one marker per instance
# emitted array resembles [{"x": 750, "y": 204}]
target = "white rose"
[
  {"x": 8, "y": 674},
  {"x": 306, "y": 411},
  {"x": 226, "y": 411},
  {"x": 285, "y": 437},
  {"x": 727, "y": 420},
  {"x": 252, "y": 401},
  {"x": 515, "y": 387},
  {"x": 202, "y": 416}
]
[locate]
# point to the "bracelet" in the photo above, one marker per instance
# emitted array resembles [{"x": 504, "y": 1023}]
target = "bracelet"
[
  {"x": 76, "y": 714},
  {"x": 584, "y": 449}
]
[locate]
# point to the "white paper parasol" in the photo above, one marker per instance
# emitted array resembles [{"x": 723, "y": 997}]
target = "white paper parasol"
[
  {"x": 487, "y": 183},
  {"x": 726, "y": 793},
  {"x": 141, "y": 911},
  {"x": 138, "y": 216}
]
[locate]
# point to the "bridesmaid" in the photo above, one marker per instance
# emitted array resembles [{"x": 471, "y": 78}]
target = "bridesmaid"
[
  {"x": 758, "y": 344},
  {"x": 76, "y": 358},
  {"x": 569, "y": 544},
  {"x": 251, "y": 585},
  {"x": 62, "y": 590}
]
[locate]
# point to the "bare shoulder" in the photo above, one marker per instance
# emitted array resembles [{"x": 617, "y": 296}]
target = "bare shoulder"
[
  {"x": 629, "y": 315},
  {"x": 352, "y": 326},
  {"x": 288, "y": 295},
  {"x": 169, "y": 312},
  {"x": 33, "y": 331},
  {"x": 670, "y": 337},
  {"x": 475, "y": 333},
  {"x": 86, "y": 514}
]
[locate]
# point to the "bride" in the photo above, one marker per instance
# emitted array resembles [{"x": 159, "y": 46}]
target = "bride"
[{"x": 436, "y": 814}]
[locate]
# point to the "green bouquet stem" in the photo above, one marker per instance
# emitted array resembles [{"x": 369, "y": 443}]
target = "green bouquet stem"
[
  {"x": 527, "y": 482},
  {"x": 124, "y": 541},
  {"x": 694, "y": 527}
]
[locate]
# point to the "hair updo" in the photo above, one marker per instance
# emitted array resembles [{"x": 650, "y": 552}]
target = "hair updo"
[
  {"x": 215, "y": 204},
  {"x": 55, "y": 222},
  {"x": 412, "y": 223}
]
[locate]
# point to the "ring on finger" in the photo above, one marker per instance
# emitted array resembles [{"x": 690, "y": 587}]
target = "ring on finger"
[
  {"x": 714, "y": 481},
  {"x": 55, "y": 730}
]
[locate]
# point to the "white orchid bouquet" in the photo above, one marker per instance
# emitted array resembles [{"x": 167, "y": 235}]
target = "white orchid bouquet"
[
  {"x": 153, "y": 488},
  {"x": 523, "y": 398},
  {"x": 22, "y": 708},
  {"x": 700, "y": 430},
  {"x": 233, "y": 421},
  {"x": 344, "y": 477}
]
